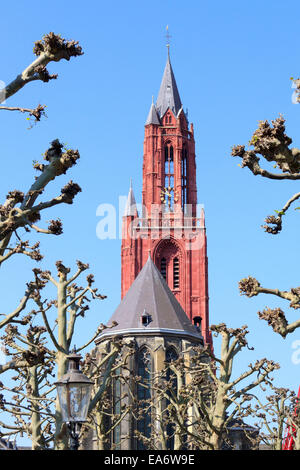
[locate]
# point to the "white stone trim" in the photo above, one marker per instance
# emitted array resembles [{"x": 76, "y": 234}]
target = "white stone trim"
[{"x": 134, "y": 331}]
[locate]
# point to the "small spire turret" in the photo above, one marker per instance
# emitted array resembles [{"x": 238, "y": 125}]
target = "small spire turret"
[
  {"x": 130, "y": 209},
  {"x": 152, "y": 116}
]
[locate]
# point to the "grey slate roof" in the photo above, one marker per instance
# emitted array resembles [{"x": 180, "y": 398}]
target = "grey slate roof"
[
  {"x": 168, "y": 96},
  {"x": 130, "y": 208},
  {"x": 149, "y": 294},
  {"x": 152, "y": 116}
]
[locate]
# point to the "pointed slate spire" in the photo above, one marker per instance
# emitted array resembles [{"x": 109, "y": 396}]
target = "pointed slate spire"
[
  {"x": 152, "y": 116},
  {"x": 130, "y": 208},
  {"x": 150, "y": 295},
  {"x": 168, "y": 96}
]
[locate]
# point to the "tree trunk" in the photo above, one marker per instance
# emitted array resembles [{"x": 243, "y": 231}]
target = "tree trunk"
[
  {"x": 217, "y": 421},
  {"x": 37, "y": 443}
]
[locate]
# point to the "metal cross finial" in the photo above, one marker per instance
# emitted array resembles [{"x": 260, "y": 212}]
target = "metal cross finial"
[{"x": 168, "y": 36}]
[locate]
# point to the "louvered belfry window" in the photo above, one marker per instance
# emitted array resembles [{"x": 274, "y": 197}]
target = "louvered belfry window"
[
  {"x": 176, "y": 273},
  {"x": 163, "y": 268}
]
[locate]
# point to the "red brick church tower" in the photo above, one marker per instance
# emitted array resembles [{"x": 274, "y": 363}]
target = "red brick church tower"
[{"x": 169, "y": 227}]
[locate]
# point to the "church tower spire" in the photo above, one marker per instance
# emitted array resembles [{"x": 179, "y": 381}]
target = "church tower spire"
[
  {"x": 168, "y": 96},
  {"x": 169, "y": 225}
]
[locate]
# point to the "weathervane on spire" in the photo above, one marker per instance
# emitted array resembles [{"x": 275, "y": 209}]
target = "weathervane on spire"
[{"x": 168, "y": 39}]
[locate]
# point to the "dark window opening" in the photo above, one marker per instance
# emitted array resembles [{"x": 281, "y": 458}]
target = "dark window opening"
[
  {"x": 146, "y": 318},
  {"x": 197, "y": 323}
]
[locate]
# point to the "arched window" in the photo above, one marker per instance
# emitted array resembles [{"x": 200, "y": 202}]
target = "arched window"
[
  {"x": 169, "y": 177},
  {"x": 176, "y": 273},
  {"x": 111, "y": 423},
  {"x": 184, "y": 177},
  {"x": 116, "y": 396},
  {"x": 143, "y": 395},
  {"x": 171, "y": 355},
  {"x": 163, "y": 268}
]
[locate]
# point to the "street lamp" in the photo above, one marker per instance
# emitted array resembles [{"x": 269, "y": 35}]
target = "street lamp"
[{"x": 74, "y": 391}]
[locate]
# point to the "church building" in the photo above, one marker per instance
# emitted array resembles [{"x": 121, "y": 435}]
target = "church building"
[
  {"x": 164, "y": 275},
  {"x": 170, "y": 229}
]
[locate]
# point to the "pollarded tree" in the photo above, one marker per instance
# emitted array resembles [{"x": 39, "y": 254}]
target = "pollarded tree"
[
  {"x": 271, "y": 143},
  {"x": 229, "y": 396},
  {"x": 112, "y": 402},
  {"x": 276, "y": 414},
  {"x": 23, "y": 209},
  {"x": 198, "y": 396},
  {"x": 32, "y": 402},
  {"x": 27, "y": 335}
]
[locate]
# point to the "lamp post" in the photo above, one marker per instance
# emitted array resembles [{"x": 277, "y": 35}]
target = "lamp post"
[{"x": 74, "y": 392}]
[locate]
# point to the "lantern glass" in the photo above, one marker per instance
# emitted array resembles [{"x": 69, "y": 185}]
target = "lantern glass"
[{"x": 74, "y": 399}]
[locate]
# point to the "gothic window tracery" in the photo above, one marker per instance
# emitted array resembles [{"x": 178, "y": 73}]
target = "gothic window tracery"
[
  {"x": 116, "y": 387},
  {"x": 171, "y": 356},
  {"x": 144, "y": 367},
  {"x": 169, "y": 177}
]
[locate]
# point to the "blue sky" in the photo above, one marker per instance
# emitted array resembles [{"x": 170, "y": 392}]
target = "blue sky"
[{"x": 232, "y": 62}]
